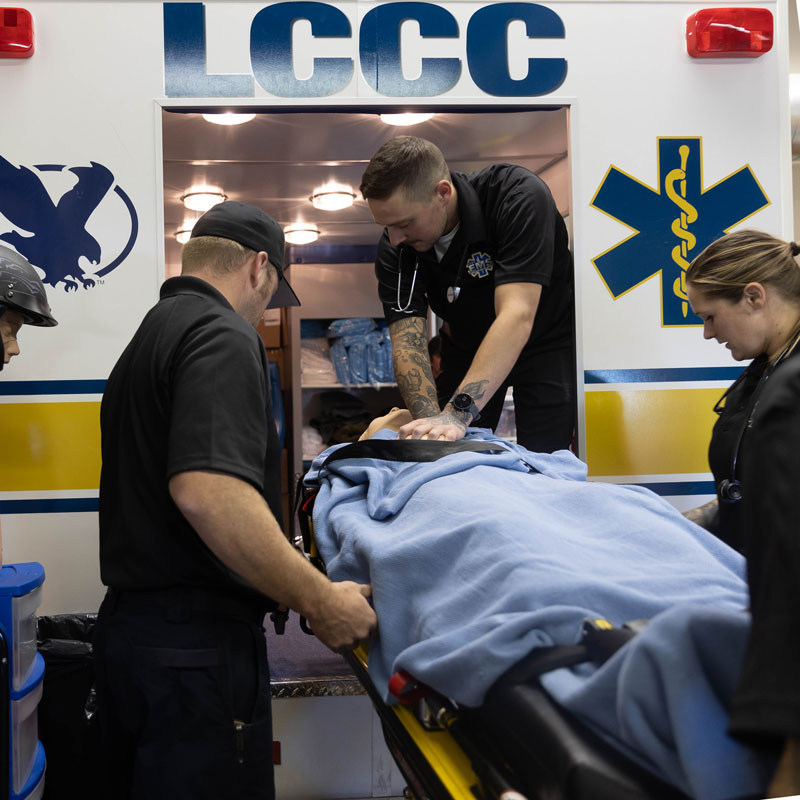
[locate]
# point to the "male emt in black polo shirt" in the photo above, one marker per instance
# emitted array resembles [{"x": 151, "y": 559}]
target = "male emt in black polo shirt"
[
  {"x": 190, "y": 546},
  {"x": 487, "y": 252}
]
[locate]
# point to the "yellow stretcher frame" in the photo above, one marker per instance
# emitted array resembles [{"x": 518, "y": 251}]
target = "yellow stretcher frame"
[{"x": 442, "y": 753}]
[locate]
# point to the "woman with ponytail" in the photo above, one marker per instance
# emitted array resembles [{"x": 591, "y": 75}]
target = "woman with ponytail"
[{"x": 746, "y": 288}]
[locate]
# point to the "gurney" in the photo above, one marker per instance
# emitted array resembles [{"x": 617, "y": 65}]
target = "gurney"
[
  {"x": 516, "y": 740},
  {"x": 518, "y": 744}
]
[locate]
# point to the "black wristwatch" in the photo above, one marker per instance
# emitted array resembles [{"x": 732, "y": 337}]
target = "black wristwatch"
[{"x": 464, "y": 403}]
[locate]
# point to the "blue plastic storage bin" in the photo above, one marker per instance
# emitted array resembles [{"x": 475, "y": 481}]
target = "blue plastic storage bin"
[{"x": 20, "y": 597}]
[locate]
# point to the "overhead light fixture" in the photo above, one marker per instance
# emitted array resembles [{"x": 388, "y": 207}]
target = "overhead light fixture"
[
  {"x": 405, "y": 119},
  {"x": 203, "y": 199},
  {"x": 332, "y": 197},
  {"x": 301, "y": 233},
  {"x": 184, "y": 233},
  {"x": 228, "y": 118}
]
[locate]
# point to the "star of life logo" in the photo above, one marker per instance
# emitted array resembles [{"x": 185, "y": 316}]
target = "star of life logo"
[
  {"x": 480, "y": 265},
  {"x": 672, "y": 223}
]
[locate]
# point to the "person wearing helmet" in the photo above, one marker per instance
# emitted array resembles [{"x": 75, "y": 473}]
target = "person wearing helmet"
[{"x": 23, "y": 301}]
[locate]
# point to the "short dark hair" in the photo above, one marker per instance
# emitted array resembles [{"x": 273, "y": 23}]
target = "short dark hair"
[{"x": 407, "y": 163}]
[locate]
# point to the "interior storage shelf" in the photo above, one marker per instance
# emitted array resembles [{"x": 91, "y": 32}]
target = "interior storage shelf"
[{"x": 328, "y": 291}]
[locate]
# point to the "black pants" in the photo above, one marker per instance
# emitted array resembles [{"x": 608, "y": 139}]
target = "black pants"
[
  {"x": 184, "y": 701},
  {"x": 544, "y": 398}
]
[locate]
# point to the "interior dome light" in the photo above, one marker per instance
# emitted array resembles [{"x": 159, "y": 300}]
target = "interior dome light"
[
  {"x": 228, "y": 118},
  {"x": 183, "y": 235},
  {"x": 203, "y": 199},
  {"x": 332, "y": 197},
  {"x": 405, "y": 119},
  {"x": 301, "y": 233}
]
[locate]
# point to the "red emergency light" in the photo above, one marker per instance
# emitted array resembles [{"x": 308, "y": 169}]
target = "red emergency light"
[
  {"x": 16, "y": 33},
  {"x": 729, "y": 33}
]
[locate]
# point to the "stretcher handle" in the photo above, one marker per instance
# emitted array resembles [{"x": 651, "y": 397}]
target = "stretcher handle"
[
  {"x": 304, "y": 626},
  {"x": 406, "y": 688}
]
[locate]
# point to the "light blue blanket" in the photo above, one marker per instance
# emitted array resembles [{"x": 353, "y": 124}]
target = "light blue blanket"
[{"x": 477, "y": 558}]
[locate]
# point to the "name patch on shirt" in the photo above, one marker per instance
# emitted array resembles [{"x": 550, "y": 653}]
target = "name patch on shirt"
[{"x": 479, "y": 265}]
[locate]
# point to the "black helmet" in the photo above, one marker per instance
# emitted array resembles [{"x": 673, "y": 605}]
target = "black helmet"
[{"x": 22, "y": 290}]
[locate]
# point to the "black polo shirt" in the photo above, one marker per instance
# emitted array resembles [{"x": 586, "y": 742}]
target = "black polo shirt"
[
  {"x": 727, "y": 446},
  {"x": 190, "y": 392},
  {"x": 510, "y": 232}
]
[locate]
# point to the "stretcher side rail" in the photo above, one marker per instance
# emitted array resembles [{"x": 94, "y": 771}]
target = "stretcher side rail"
[{"x": 437, "y": 778}]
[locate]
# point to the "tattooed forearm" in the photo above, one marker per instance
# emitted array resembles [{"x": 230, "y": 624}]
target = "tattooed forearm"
[
  {"x": 420, "y": 395},
  {"x": 420, "y": 404},
  {"x": 705, "y": 515},
  {"x": 475, "y": 389},
  {"x": 420, "y": 360},
  {"x": 407, "y": 360},
  {"x": 410, "y": 381},
  {"x": 410, "y": 334},
  {"x": 412, "y": 367}
]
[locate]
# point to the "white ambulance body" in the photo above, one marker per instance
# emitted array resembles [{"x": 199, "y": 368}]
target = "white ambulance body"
[{"x": 665, "y": 152}]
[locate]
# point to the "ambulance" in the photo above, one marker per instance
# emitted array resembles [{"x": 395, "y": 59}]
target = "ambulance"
[
  {"x": 671, "y": 126},
  {"x": 676, "y": 129}
]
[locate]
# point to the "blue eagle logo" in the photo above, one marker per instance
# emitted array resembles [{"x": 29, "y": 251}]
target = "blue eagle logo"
[{"x": 52, "y": 235}]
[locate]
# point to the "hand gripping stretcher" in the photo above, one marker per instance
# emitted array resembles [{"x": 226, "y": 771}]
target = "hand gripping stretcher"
[{"x": 519, "y": 744}]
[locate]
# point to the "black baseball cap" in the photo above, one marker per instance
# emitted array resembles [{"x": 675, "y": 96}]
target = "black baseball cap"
[{"x": 251, "y": 227}]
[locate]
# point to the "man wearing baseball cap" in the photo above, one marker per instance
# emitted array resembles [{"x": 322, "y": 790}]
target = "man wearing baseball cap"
[
  {"x": 191, "y": 545},
  {"x": 252, "y": 228}
]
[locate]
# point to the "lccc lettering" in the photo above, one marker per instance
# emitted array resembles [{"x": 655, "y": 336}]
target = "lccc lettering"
[{"x": 379, "y": 51}]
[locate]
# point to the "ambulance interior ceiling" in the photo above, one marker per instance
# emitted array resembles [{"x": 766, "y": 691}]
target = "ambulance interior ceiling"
[{"x": 277, "y": 160}]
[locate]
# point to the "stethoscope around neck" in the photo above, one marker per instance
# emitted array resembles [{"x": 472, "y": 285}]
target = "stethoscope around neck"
[
  {"x": 452, "y": 291},
  {"x": 730, "y": 489}
]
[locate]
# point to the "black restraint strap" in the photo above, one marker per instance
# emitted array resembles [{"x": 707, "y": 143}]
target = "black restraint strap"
[
  {"x": 415, "y": 450},
  {"x": 599, "y": 641}
]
